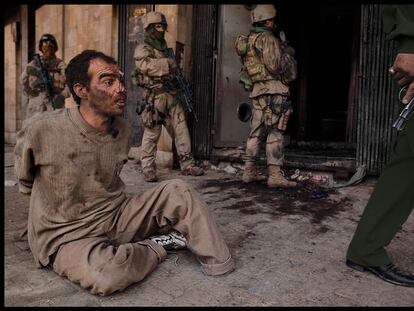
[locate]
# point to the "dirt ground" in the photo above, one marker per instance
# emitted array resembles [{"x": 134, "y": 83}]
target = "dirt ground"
[{"x": 288, "y": 247}]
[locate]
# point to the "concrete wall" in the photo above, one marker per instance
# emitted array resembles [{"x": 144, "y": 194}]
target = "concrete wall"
[
  {"x": 49, "y": 19},
  {"x": 90, "y": 27},
  {"x": 179, "y": 19},
  {"x": 79, "y": 27},
  {"x": 10, "y": 80}
]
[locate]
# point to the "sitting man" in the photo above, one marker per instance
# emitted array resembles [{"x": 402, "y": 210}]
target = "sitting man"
[{"x": 81, "y": 223}]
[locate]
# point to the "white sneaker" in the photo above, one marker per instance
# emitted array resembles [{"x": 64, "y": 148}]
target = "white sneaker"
[{"x": 170, "y": 241}]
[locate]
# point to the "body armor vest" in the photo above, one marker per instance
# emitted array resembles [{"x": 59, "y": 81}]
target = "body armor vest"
[
  {"x": 146, "y": 81},
  {"x": 251, "y": 61}
]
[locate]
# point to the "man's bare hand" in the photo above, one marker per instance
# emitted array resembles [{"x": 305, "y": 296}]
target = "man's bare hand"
[{"x": 403, "y": 68}]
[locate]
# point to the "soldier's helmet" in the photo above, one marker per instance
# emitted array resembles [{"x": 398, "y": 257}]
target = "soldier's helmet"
[
  {"x": 50, "y": 38},
  {"x": 154, "y": 18},
  {"x": 262, "y": 12}
]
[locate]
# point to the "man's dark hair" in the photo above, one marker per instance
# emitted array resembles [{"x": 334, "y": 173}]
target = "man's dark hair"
[{"x": 77, "y": 69}]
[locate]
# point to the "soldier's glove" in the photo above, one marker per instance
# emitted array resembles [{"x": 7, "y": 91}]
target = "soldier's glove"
[{"x": 171, "y": 64}]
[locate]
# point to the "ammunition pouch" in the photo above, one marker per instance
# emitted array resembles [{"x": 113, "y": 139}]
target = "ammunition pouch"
[
  {"x": 147, "y": 116},
  {"x": 145, "y": 107},
  {"x": 276, "y": 109},
  {"x": 286, "y": 111},
  {"x": 245, "y": 79},
  {"x": 139, "y": 79},
  {"x": 241, "y": 45}
]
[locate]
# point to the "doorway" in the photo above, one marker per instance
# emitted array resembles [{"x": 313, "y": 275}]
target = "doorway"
[{"x": 326, "y": 40}]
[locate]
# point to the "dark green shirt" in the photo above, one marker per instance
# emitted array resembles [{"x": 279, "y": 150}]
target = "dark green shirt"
[{"x": 399, "y": 26}]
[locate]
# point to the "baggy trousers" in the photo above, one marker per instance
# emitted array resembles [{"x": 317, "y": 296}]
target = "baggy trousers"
[
  {"x": 263, "y": 128},
  {"x": 124, "y": 256},
  {"x": 175, "y": 117},
  {"x": 389, "y": 205}
]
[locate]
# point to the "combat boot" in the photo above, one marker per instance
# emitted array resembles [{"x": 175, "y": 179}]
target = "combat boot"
[
  {"x": 276, "y": 178},
  {"x": 150, "y": 176},
  {"x": 250, "y": 172},
  {"x": 193, "y": 171}
]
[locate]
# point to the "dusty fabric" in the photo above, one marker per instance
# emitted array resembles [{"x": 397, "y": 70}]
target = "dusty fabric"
[
  {"x": 35, "y": 89},
  {"x": 106, "y": 267},
  {"x": 398, "y": 25},
  {"x": 263, "y": 128},
  {"x": 387, "y": 210},
  {"x": 267, "y": 49},
  {"x": 73, "y": 178},
  {"x": 81, "y": 221},
  {"x": 176, "y": 127},
  {"x": 263, "y": 65},
  {"x": 156, "y": 67}
]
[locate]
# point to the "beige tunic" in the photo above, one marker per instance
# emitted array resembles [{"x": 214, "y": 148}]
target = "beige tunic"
[
  {"x": 72, "y": 173},
  {"x": 79, "y": 213}
]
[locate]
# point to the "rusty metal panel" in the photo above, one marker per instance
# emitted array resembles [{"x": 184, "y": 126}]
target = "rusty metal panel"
[
  {"x": 377, "y": 104},
  {"x": 204, "y": 40},
  {"x": 130, "y": 34},
  {"x": 233, "y": 20}
]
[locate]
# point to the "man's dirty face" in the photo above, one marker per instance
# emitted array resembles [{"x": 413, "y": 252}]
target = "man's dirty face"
[{"x": 107, "y": 94}]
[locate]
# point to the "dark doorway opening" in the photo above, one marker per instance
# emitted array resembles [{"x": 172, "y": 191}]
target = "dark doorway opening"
[{"x": 326, "y": 40}]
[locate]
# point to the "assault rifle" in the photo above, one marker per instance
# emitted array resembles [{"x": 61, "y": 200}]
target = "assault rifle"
[
  {"x": 47, "y": 81},
  {"x": 183, "y": 84},
  {"x": 406, "y": 113}
]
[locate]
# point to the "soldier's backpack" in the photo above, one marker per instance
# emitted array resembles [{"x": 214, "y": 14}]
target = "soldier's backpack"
[{"x": 287, "y": 66}]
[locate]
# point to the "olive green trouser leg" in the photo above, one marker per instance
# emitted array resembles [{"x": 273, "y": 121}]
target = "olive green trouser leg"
[{"x": 389, "y": 205}]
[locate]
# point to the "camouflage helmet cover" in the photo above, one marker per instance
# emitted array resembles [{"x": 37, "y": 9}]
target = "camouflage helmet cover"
[
  {"x": 262, "y": 12},
  {"x": 154, "y": 18},
  {"x": 48, "y": 37}
]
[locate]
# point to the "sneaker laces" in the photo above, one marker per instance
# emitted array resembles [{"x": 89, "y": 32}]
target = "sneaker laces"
[{"x": 171, "y": 240}]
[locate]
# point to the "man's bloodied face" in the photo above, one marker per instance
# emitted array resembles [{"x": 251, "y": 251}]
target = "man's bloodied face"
[{"x": 107, "y": 93}]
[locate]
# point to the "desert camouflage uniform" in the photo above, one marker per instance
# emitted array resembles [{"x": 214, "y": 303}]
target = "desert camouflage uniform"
[
  {"x": 155, "y": 67},
  {"x": 35, "y": 89},
  {"x": 262, "y": 62}
]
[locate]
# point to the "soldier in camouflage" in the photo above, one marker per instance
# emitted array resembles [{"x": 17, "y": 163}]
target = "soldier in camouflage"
[
  {"x": 268, "y": 67},
  {"x": 33, "y": 84},
  {"x": 154, "y": 71}
]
